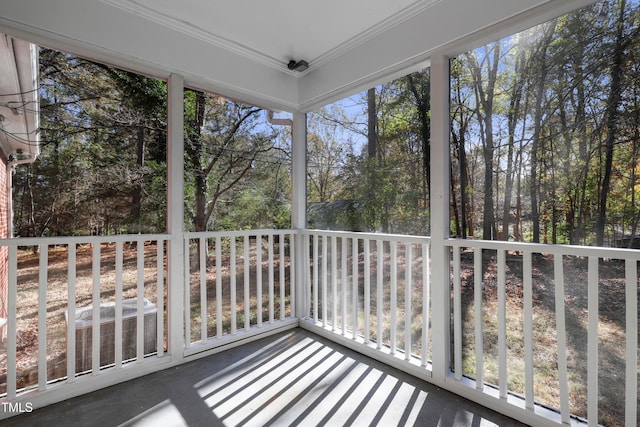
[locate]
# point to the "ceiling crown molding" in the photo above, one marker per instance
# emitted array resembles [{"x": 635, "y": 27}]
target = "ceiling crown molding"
[
  {"x": 394, "y": 20},
  {"x": 137, "y": 8},
  {"x": 132, "y": 6}
]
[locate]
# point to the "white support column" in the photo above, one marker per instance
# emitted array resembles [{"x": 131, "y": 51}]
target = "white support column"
[
  {"x": 440, "y": 305},
  {"x": 299, "y": 205},
  {"x": 175, "y": 215}
]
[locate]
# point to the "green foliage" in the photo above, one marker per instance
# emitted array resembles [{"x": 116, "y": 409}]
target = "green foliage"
[
  {"x": 235, "y": 168},
  {"x": 94, "y": 121},
  {"x": 388, "y": 193},
  {"x": 103, "y": 170}
]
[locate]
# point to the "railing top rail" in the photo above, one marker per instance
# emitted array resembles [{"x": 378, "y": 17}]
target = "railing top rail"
[
  {"x": 63, "y": 240},
  {"x": 238, "y": 233},
  {"x": 545, "y": 248},
  {"x": 371, "y": 236}
]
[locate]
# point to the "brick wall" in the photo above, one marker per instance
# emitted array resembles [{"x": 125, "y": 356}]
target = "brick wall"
[{"x": 4, "y": 229}]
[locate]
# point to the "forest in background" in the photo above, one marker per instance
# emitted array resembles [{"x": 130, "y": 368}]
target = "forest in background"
[
  {"x": 545, "y": 135},
  {"x": 103, "y": 169},
  {"x": 546, "y": 131}
]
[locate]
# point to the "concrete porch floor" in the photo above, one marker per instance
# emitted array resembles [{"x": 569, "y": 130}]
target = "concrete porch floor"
[{"x": 292, "y": 378}]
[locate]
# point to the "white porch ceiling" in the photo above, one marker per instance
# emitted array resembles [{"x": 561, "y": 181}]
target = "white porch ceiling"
[
  {"x": 276, "y": 31},
  {"x": 241, "y": 48}
]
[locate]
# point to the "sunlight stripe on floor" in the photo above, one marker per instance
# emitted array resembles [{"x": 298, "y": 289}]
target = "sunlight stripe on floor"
[{"x": 248, "y": 366}]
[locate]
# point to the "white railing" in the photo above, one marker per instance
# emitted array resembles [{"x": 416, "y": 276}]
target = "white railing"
[
  {"x": 373, "y": 290},
  {"x": 534, "y": 328},
  {"x": 239, "y": 283},
  {"x": 548, "y": 342},
  {"x": 56, "y": 286}
]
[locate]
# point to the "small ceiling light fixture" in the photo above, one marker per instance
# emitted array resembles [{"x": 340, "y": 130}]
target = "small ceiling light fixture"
[{"x": 299, "y": 66}]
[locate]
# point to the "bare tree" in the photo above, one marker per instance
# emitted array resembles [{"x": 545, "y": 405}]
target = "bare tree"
[{"x": 484, "y": 75}]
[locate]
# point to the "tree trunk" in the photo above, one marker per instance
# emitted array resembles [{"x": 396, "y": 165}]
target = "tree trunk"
[
  {"x": 484, "y": 111},
  {"x": 372, "y": 129},
  {"x": 541, "y": 72},
  {"x": 513, "y": 116},
  {"x": 200, "y": 179},
  {"x": 376, "y": 204},
  {"x": 464, "y": 179},
  {"x": 577, "y": 211},
  {"x": 136, "y": 197},
  {"x": 423, "y": 107},
  {"x": 611, "y": 122},
  {"x": 452, "y": 190},
  {"x": 458, "y": 142}
]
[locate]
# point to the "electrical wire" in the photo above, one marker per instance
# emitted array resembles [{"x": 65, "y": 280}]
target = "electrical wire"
[
  {"x": 19, "y": 93},
  {"x": 21, "y": 139},
  {"x": 15, "y": 105}
]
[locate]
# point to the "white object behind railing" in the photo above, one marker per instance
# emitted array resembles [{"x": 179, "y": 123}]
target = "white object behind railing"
[
  {"x": 95, "y": 293},
  {"x": 373, "y": 291},
  {"x": 238, "y": 284},
  {"x": 524, "y": 254}
]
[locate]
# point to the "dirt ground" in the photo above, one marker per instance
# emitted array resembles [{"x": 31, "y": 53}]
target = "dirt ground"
[{"x": 611, "y": 329}]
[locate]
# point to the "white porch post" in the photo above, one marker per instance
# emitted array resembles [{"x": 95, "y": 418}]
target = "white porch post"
[
  {"x": 440, "y": 306},
  {"x": 299, "y": 206},
  {"x": 175, "y": 215}
]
